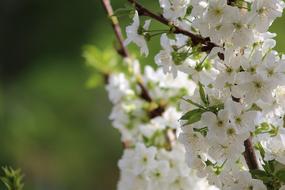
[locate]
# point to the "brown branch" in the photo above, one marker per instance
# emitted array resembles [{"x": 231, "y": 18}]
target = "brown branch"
[
  {"x": 249, "y": 155},
  {"x": 124, "y": 53},
  {"x": 207, "y": 45},
  {"x": 123, "y": 50},
  {"x": 116, "y": 27},
  {"x": 144, "y": 93}
]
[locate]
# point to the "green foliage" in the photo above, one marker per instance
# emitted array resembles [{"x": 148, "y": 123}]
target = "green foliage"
[
  {"x": 262, "y": 175},
  {"x": 273, "y": 181},
  {"x": 204, "y": 98},
  {"x": 95, "y": 80},
  {"x": 12, "y": 179},
  {"x": 193, "y": 116},
  {"x": 266, "y": 128},
  {"x": 102, "y": 62},
  {"x": 273, "y": 175},
  {"x": 281, "y": 175}
]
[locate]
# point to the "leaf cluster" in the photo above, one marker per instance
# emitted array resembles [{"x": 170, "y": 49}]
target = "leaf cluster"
[
  {"x": 12, "y": 179},
  {"x": 103, "y": 63},
  {"x": 273, "y": 175}
]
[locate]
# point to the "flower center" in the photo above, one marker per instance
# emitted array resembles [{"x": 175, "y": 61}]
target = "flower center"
[
  {"x": 218, "y": 12},
  {"x": 238, "y": 120},
  {"x": 220, "y": 123},
  {"x": 231, "y": 131},
  {"x": 238, "y": 25},
  {"x": 262, "y": 11},
  {"x": 257, "y": 84}
]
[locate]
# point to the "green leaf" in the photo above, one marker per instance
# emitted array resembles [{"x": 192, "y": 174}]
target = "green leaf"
[
  {"x": 262, "y": 175},
  {"x": 95, "y": 80},
  {"x": 203, "y": 96},
  {"x": 103, "y": 61},
  {"x": 269, "y": 166},
  {"x": 189, "y": 10},
  {"x": 281, "y": 175},
  {"x": 193, "y": 116},
  {"x": 195, "y": 104}
]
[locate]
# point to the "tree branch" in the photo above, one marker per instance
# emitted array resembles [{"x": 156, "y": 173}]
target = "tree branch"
[
  {"x": 124, "y": 53},
  {"x": 249, "y": 155},
  {"x": 207, "y": 45},
  {"x": 116, "y": 27}
]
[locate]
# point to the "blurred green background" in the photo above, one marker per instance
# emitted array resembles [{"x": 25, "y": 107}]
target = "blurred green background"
[{"x": 51, "y": 125}]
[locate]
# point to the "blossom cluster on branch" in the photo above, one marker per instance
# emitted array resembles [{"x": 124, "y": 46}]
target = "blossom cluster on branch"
[
  {"x": 153, "y": 159},
  {"x": 220, "y": 91}
]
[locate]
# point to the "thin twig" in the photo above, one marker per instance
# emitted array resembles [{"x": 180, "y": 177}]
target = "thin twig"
[
  {"x": 207, "y": 45},
  {"x": 124, "y": 53},
  {"x": 116, "y": 27}
]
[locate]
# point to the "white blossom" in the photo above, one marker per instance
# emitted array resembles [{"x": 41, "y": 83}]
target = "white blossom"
[{"x": 134, "y": 34}]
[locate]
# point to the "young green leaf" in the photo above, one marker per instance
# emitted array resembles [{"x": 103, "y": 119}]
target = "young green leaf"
[
  {"x": 103, "y": 61},
  {"x": 262, "y": 175},
  {"x": 95, "y": 80},
  {"x": 203, "y": 96},
  {"x": 281, "y": 175},
  {"x": 193, "y": 116}
]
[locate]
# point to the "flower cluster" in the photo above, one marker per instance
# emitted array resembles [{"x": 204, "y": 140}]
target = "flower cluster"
[
  {"x": 138, "y": 116},
  {"x": 150, "y": 168},
  {"x": 233, "y": 123},
  {"x": 152, "y": 159}
]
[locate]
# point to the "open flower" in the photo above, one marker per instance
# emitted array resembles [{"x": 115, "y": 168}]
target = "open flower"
[{"x": 135, "y": 34}]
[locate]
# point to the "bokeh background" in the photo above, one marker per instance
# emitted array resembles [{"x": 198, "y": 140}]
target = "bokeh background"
[{"x": 51, "y": 125}]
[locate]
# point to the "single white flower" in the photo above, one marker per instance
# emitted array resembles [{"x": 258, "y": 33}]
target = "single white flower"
[
  {"x": 173, "y": 9},
  {"x": 134, "y": 34},
  {"x": 216, "y": 124},
  {"x": 264, "y": 12},
  {"x": 118, "y": 87},
  {"x": 242, "y": 120},
  {"x": 274, "y": 147},
  {"x": 144, "y": 158},
  {"x": 215, "y": 12}
]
